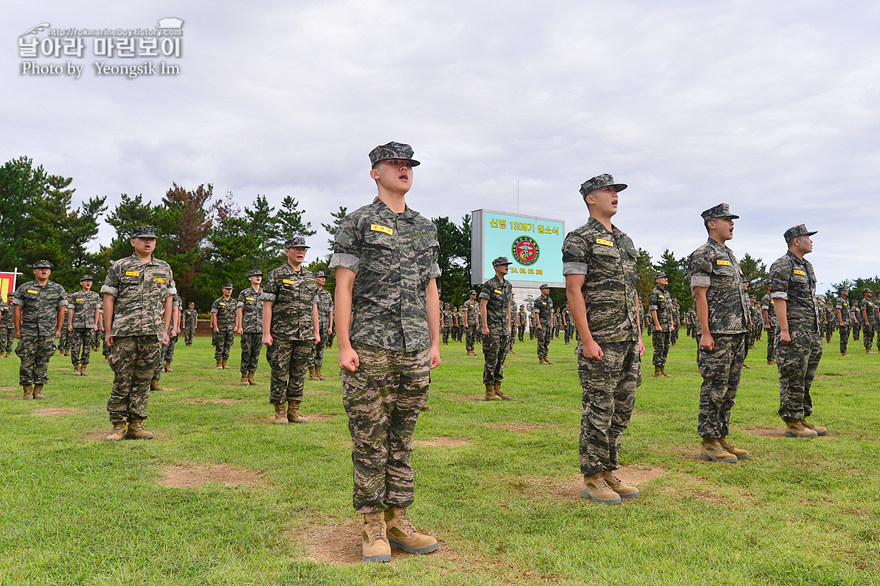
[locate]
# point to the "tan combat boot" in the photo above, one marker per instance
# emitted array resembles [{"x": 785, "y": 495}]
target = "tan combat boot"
[
  {"x": 712, "y": 451},
  {"x": 82, "y": 370},
  {"x": 76, "y": 370},
  {"x": 402, "y": 535},
  {"x": 471, "y": 353},
  {"x": 498, "y": 392},
  {"x": 293, "y": 414},
  {"x": 312, "y": 373},
  {"x": 375, "y": 547},
  {"x": 490, "y": 393},
  {"x": 739, "y": 453},
  {"x": 224, "y": 365},
  {"x": 154, "y": 385},
  {"x": 657, "y": 373},
  {"x": 280, "y": 415},
  {"x": 118, "y": 432},
  {"x": 168, "y": 367},
  {"x": 136, "y": 430},
  {"x": 596, "y": 489},
  {"x": 794, "y": 428},
  {"x": 547, "y": 361},
  {"x": 38, "y": 392},
  {"x": 244, "y": 380},
  {"x": 817, "y": 428},
  {"x": 620, "y": 487},
  {"x": 250, "y": 378},
  {"x": 219, "y": 364},
  {"x": 663, "y": 372},
  {"x": 28, "y": 392},
  {"x": 67, "y": 352},
  {"x": 318, "y": 373}
]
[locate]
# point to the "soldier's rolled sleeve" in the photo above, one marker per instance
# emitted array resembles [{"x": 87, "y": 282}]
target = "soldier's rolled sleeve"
[
  {"x": 575, "y": 268},
  {"x": 111, "y": 282},
  {"x": 779, "y": 295},
  {"x": 700, "y": 281},
  {"x": 239, "y": 304},
  {"x": 343, "y": 260},
  {"x": 214, "y": 310},
  {"x": 486, "y": 291},
  {"x": 267, "y": 297},
  {"x": 18, "y": 301},
  {"x": 62, "y": 302},
  {"x": 435, "y": 271}
]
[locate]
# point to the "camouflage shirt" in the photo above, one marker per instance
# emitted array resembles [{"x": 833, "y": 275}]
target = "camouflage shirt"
[
  {"x": 84, "y": 305},
  {"x": 714, "y": 266},
  {"x": 190, "y": 317},
  {"x": 6, "y": 315},
  {"x": 843, "y": 306},
  {"x": 608, "y": 262},
  {"x": 225, "y": 310},
  {"x": 498, "y": 296},
  {"x": 325, "y": 306},
  {"x": 39, "y": 307},
  {"x": 767, "y": 303},
  {"x": 660, "y": 301},
  {"x": 793, "y": 280},
  {"x": 394, "y": 257},
  {"x": 543, "y": 307},
  {"x": 446, "y": 316},
  {"x": 292, "y": 294},
  {"x": 868, "y": 307},
  {"x": 140, "y": 290},
  {"x": 472, "y": 308},
  {"x": 251, "y": 304}
]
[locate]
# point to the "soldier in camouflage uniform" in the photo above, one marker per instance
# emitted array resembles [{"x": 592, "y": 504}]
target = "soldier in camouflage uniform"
[
  {"x": 385, "y": 257},
  {"x": 64, "y": 340},
  {"x": 532, "y": 327},
  {"x": 866, "y": 307},
  {"x": 249, "y": 325},
  {"x": 567, "y": 324},
  {"x": 325, "y": 320},
  {"x": 176, "y": 325},
  {"x": 38, "y": 318},
  {"x": 164, "y": 362},
  {"x": 723, "y": 325},
  {"x": 190, "y": 320},
  {"x": 543, "y": 312},
  {"x": 793, "y": 288},
  {"x": 660, "y": 309},
  {"x": 843, "y": 318},
  {"x": 513, "y": 323},
  {"x": 676, "y": 323},
  {"x": 82, "y": 323},
  {"x": 223, "y": 325},
  {"x": 445, "y": 323},
  {"x": 599, "y": 265},
  {"x": 471, "y": 310},
  {"x": 7, "y": 327},
  {"x": 138, "y": 297},
  {"x": 829, "y": 318},
  {"x": 495, "y": 301},
  {"x": 856, "y": 322},
  {"x": 768, "y": 310},
  {"x": 521, "y": 321},
  {"x": 290, "y": 329}
]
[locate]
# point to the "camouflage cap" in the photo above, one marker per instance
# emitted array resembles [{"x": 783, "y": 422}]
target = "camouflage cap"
[
  {"x": 192, "y": 303},
  {"x": 661, "y": 275},
  {"x": 599, "y": 181},
  {"x": 866, "y": 290},
  {"x": 42, "y": 264},
  {"x": 722, "y": 210},
  {"x": 472, "y": 292},
  {"x": 320, "y": 275},
  {"x": 227, "y": 285},
  {"x": 255, "y": 273},
  {"x": 795, "y": 231},
  {"x": 295, "y": 242},
  {"x": 86, "y": 278},
  {"x": 752, "y": 297},
  {"x": 501, "y": 260},
  {"x": 839, "y": 289},
  {"x": 544, "y": 286},
  {"x": 144, "y": 232},
  {"x": 392, "y": 150}
]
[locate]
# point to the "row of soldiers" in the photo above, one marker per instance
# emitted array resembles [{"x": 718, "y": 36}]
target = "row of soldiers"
[{"x": 454, "y": 322}]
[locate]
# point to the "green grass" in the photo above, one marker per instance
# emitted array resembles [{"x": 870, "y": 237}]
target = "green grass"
[{"x": 505, "y": 504}]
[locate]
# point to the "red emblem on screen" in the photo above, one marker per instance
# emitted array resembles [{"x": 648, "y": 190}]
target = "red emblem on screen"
[{"x": 525, "y": 250}]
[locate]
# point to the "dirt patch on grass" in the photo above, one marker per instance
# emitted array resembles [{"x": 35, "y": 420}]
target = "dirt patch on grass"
[
  {"x": 518, "y": 427},
  {"x": 311, "y": 419},
  {"x": 211, "y": 401},
  {"x": 56, "y": 412},
  {"x": 442, "y": 442},
  {"x": 569, "y": 489},
  {"x": 314, "y": 393},
  {"x": 163, "y": 389},
  {"x": 779, "y": 432},
  {"x": 193, "y": 475},
  {"x": 99, "y": 436}
]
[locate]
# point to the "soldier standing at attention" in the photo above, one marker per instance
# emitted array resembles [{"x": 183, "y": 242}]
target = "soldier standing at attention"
[
  {"x": 830, "y": 321},
  {"x": 7, "y": 327},
  {"x": 543, "y": 311},
  {"x": 521, "y": 322},
  {"x": 495, "y": 299},
  {"x": 82, "y": 323},
  {"x": 249, "y": 325},
  {"x": 223, "y": 325},
  {"x": 601, "y": 286},
  {"x": 325, "y": 322},
  {"x": 513, "y": 324},
  {"x": 190, "y": 320},
  {"x": 138, "y": 296},
  {"x": 290, "y": 329},
  {"x": 768, "y": 309},
  {"x": 445, "y": 323},
  {"x": 856, "y": 323},
  {"x": 176, "y": 323},
  {"x": 385, "y": 257},
  {"x": 532, "y": 327},
  {"x": 660, "y": 307},
  {"x": 793, "y": 288},
  {"x": 38, "y": 319},
  {"x": 723, "y": 325},
  {"x": 843, "y": 318},
  {"x": 866, "y": 307},
  {"x": 471, "y": 309},
  {"x": 676, "y": 323}
]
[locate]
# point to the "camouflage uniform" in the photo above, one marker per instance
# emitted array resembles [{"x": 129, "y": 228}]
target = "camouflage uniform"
[
  {"x": 190, "y": 318},
  {"x": 251, "y": 303},
  {"x": 166, "y": 351},
  {"x": 140, "y": 290},
  {"x": 793, "y": 280},
  {"x": 855, "y": 320},
  {"x": 610, "y": 290},
  {"x": 543, "y": 308},
  {"x": 325, "y": 305},
  {"x": 521, "y": 329},
  {"x": 767, "y": 305},
  {"x": 472, "y": 308},
  {"x": 7, "y": 327},
  {"x": 532, "y": 326},
  {"x": 676, "y": 324},
  {"x": 172, "y": 341},
  {"x": 446, "y": 322},
  {"x": 511, "y": 339},
  {"x": 714, "y": 266},
  {"x": 292, "y": 294},
  {"x": 866, "y": 308},
  {"x": 394, "y": 258},
  {"x": 568, "y": 324},
  {"x": 225, "y": 310},
  {"x": 845, "y": 315},
  {"x": 830, "y": 318},
  {"x": 498, "y": 295},
  {"x": 660, "y": 301},
  {"x": 82, "y": 338},
  {"x": 39, "y": 323}
]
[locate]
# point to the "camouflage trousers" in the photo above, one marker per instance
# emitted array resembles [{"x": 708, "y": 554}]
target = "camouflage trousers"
[
  {"x": 7, "y": 335},
  {"x": 157, "y": 372},
  {"x": 470, "y": 338},
  {"x": 81, "y": 340},
  {"x": 445, "y": 332},
  {"x": 856, "y": 330},
  {"x": 316, "y": 358},
  {"x": 867, "y": 336},
  {"x": 661, "y": 347},
  {"x": 772, "y": 336},
  {"x": 844, "y": 338},
  {"x": 495, "y": 349},
  {"x": 829, "y": 331},
  {"x": 169, "y": 349},
  {"x": 521, "y": 332},
  {"x": 133, "y": 360},
  {"x": 34, "y": 352},
  {"x": 289, "y": 361},
  {"x": 609, "y": 395},
  {"x": 569, "y": 333},
  {"x": 797, "y": 363},
  {"x": 721, "y": 370},
  {"x": 188, "y": 334},
  {"x": 545, "y": 333},
  {"x": 105, "y": 349},
  {"x": 224, "y": 340},
  {"x": 382, "y": 399},
  {"x": 673, "y": 335},
  {"x": 251, "y": 345},
  {"x": 511, "y": 339},
  {"x": 64, "y": 340},
  {"x": 96, "y": 340}
]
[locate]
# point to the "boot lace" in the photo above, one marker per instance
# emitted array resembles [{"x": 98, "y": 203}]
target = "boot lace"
[{"x": 374, "y": 529}]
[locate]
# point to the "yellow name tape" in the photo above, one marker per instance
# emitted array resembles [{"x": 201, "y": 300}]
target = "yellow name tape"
[
  {"x": 604, "y": 242},
  {"x": 80, "y": 299},
  {"x": 32, "y": 291},
  {"x": 249, "y": 298},
  {"x": 288, "y": 282},
  {"x": 223, "y": 304},
  {"x": 132, "y": 274},
  {"x": 723, "y": 263},
  {"x": 380, "y": 228},
  {"x": 158, "y": 279},
  {"x": 801, "y": 273},
  {"x": 661, "y": 297},
  {"x": 499, "y": 291}
]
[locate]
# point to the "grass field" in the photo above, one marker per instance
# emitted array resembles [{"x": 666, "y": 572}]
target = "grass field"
[{"x": 496, "y": 482}]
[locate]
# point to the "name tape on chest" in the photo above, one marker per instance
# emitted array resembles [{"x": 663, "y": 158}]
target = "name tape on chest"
[
  {"x": 249, "y": 298},
  {"x": 722, "y": 263},
  {"x": 661, "y": 297},
  {"x": 132, "y": 273},
  {"x": 499, "y": 291},
  {"x": 288, "y": 282},
  {"x": 222, "y": 304},
  {"x": 381, "y": 228},
  {"x": 33, "y": 292},
  {"x": 604, "y": 242},
  {"x": 158, "y": 280},
  {"x": 80, "y": 299},
  {"x": 799, "y": 272}
]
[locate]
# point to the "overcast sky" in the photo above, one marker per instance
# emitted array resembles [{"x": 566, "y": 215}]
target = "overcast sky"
[{"x": 769, "y": 106}]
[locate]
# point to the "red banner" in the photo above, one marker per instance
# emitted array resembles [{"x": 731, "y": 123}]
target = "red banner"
[{"x": 7, "y": 284}]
